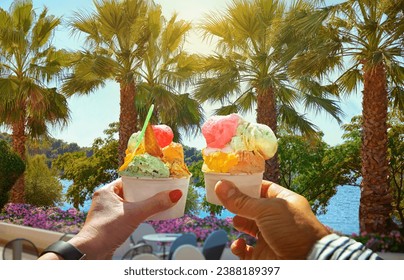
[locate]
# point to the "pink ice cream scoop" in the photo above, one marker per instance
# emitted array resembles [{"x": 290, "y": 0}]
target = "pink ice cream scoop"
[
  {"x": 219, "y": 130},
  {"x": 164, "y": 134}
]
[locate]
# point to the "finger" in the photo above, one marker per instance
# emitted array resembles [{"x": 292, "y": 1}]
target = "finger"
[
  {"x": 273, "y": 190},
  {"x": 155, "y": 204},
  {"x": 239, "y": 248},
  {"x": 264, "y": 188},
  {"x": 235, "y": 201},
  {"x": 245, "y": 225},
  {"x": 118, "y": 187}
]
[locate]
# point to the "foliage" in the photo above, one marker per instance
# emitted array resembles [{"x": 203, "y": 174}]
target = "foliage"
[
  {"x": 392, "y": 242},
  {"x": 42, "y": 187},
  {"x": 11, "y": 168},
  {"x": 89, "y": 172},
  {"x": 28, "y": 62},
  {"x": 396, "y": 164},
  {"x": 307, "y": 169},
  {"x": 48, "y": 146},
  {"x": 49, "y": 218}
]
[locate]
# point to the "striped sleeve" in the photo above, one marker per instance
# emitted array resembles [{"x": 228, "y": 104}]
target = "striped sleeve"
[{"x": 335, "y": 247}]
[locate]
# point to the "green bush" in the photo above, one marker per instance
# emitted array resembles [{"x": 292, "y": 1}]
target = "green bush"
[
  {"x": 42, "y": 188},
  {"x": 11, "y": 168}
]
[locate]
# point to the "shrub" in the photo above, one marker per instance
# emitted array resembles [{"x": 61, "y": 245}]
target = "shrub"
[
  {"x": 42, "y": 188},
  {"x": 11, "y": 168},
  {"x": 393, "y": 242}
]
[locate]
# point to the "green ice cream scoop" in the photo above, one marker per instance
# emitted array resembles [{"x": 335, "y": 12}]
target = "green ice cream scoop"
[{"x": 145, "y": 165}]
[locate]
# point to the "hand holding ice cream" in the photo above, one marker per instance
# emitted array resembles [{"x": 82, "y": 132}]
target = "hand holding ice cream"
[{"x": 154, "y": 163}]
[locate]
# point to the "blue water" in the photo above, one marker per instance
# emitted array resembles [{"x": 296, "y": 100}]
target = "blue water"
[{"x": 342, "y": 212}]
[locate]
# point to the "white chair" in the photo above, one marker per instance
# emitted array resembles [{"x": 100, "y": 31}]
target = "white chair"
[
  {"x": 186, "y": 238},
  {"x": 146, "y": 256},
  {"x": 188, "y": 252},
  {"x": 138, "y": 249},
  {"x": 140, "y": 231},
  {"x": 121, "y": 250}
]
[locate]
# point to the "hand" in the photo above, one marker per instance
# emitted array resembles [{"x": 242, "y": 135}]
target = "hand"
[
  {"x": 111, "y": 220},
  {"x": 282, "y": 220}
]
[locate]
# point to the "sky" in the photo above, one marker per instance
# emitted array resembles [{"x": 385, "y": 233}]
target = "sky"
[{"x": 91, "y": 114}]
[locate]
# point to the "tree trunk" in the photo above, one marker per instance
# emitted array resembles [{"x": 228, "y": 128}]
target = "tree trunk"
[
  {"x": 376, "y": 199},
  {"x": 266, "y": 114},
  {"x": 19, "y": 138},
  {"x": 127, "y": 117}
]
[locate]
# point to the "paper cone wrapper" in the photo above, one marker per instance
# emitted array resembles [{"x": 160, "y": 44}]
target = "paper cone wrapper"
[
  {"x": 249, "y": 184},
  {"x": 138, "y": 189}
]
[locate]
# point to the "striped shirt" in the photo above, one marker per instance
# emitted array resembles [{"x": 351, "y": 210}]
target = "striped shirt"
[{"x": 335, "y": 247}]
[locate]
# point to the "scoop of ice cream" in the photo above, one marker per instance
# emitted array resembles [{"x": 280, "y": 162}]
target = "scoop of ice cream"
[
  {"x": 255, "y": 137},
  {"x": 219, "y": 130},
  {"x": 132, "y": 142},
  {"x": 238, "y": 162},
  {"x": 173, "y": 156},
  {"x": 235, "y": 145},
  {"x": 164, "y": 134},
  {"x": 145, "y": 165}
]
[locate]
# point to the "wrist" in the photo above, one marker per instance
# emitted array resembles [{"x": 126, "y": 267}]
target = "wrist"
[
  {"x": 62, "y": 250},
  {"x": 88, "y": 246}
]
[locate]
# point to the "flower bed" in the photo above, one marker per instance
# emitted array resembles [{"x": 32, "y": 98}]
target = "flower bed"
[
  {"x": 49, "y": 218},
  {"x": 392, "y": 242}
]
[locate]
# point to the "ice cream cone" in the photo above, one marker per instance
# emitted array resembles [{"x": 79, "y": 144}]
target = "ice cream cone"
[
  {"x": 141, "y": 188},
  {"x": 249, "y": 184}
]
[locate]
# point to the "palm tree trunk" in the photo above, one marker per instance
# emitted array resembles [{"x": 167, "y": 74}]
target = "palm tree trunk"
[
  {"x": 19, "y": 138},
  {"x": 127, "y": 117},
  {"x": 266, "y": 114},
  {"x": 376, "y": 199}
]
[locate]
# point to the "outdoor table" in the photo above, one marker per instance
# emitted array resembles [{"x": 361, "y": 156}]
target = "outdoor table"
[{"x": 163, "y": 238}]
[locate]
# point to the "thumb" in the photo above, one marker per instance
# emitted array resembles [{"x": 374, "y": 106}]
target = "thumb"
[{"x": 236, "y": 201}]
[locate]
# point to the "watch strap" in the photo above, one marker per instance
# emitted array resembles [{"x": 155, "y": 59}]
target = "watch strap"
[{"x": 64, "y": 249}]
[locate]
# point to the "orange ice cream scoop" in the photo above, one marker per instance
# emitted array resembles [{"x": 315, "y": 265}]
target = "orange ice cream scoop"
[
  {"x": 173, "y": 156},
  {"x": 173, "y": 151}
]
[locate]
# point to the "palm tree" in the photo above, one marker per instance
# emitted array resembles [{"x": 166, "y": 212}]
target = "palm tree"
[
  {"x": 28, "y": 63},
  {"x": 167, "y": 71},
  {"x": 249, "y": 70},
  {"x": 366, "y": 37},
  {"x": 116, "y": 37}
]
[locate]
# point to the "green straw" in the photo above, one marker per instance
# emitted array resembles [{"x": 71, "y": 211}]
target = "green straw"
[{"x": 146, "y": 122}]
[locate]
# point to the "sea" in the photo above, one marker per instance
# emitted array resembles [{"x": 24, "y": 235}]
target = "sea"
[{"x": 342, "y": 212}]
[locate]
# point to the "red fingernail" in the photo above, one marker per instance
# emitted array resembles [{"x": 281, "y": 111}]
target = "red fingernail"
[{"x": 175, "y": 195}]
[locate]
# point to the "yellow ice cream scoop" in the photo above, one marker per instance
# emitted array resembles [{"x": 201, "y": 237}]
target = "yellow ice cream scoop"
[{"x": 219, "y": 162}]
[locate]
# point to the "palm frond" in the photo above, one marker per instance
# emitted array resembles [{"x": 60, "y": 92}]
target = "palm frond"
[
  {"x": 43, "y": 29},
  {"x": 226, "y": 110},
  {"x": 297, "y": 123},
  {"x": 89, "y": 73},
  {"x": 350, "y": 80}
]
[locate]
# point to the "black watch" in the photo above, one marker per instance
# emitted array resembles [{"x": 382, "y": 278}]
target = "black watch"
[{"x": 66, "y": 250}]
